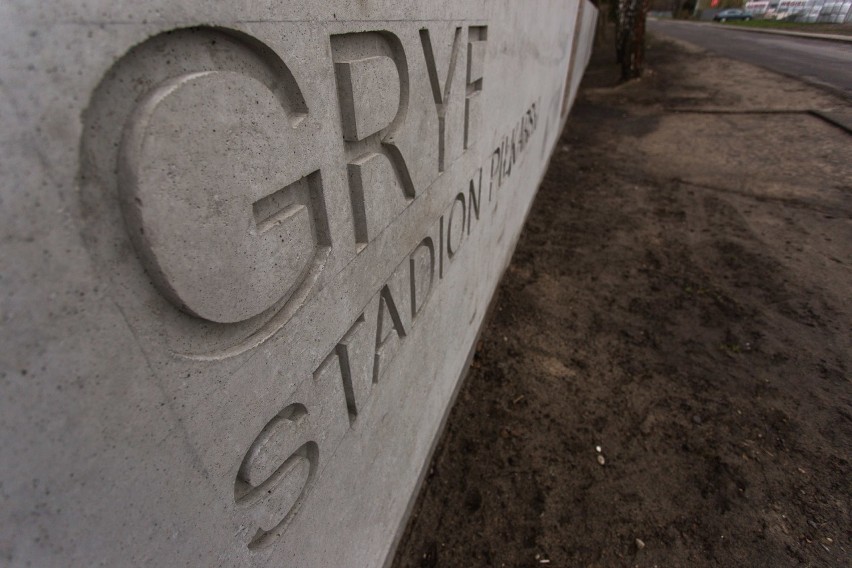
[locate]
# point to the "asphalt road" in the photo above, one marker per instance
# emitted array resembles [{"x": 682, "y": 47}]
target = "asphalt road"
[{"x": 820, "y": 62}]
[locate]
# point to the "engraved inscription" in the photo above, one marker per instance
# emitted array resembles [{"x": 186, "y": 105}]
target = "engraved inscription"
[
  {"x": 372, "y": 85},
  {"x": 355, "y": 353},
  {"x": 474, "y": 198},
  {"x": 269, "y": 485},
  {"x": 283, "y": 463},
  {"x": 496, "y": 175},
  {"x": 193, "y": 170},
  {"x": 229, "y": 228},
  {"x": 233, "y": 231},
  {"x": 369, "y": 91},
  {"x": 441, "y": 94},
  {"x": 477, "y": 36},
  {"x": 331, "y": 403},
  {"x": 421, "y": 263},
  {"x": 302, "y": 198},
  {"x": 288, "y": 456},
  {"x": 512, "y": 145},
  {"x": 456, "y": 224},
  {"x": 389, "y": 329},
  {"x": 375, "y": 193}
]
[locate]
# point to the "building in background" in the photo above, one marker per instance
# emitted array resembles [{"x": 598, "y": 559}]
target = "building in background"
[{"x": 827, "y": 11}]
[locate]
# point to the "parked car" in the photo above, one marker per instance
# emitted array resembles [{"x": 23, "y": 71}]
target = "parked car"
[{"x": 732, "y": 14}]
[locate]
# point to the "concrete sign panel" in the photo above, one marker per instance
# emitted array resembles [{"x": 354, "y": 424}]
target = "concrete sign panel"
[{"x": 246, "y": 250}]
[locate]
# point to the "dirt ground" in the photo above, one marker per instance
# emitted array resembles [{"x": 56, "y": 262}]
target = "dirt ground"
[{"x": 681, "y": 298}]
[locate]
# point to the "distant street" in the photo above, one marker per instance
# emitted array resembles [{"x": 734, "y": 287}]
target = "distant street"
[{"x": 815, "y": 61}]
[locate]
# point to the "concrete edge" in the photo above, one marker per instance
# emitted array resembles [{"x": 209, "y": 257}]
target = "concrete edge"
[
  {"x": 465, "y": 372},
  {"x": 805, "y": 35},
  {"x": 421, "y": 478},
  {"x": 842, "y": 122}
]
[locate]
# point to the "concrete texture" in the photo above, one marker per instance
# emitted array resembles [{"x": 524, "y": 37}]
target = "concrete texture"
[{"x": 246, "y": 250}]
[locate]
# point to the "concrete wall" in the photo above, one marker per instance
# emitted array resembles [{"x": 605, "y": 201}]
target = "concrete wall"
[{"x": 246, "y": 248}]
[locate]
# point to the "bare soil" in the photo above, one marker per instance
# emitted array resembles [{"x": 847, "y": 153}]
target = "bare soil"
[{"x": 681, "y": 297}]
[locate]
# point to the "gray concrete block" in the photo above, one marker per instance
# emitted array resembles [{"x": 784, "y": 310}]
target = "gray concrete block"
[{"x": 246, "y": 251}]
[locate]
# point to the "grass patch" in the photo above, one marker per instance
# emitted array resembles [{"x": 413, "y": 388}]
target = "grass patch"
[
  {"x": 817, "y": 28},
  {"x": 771, "y": 24}
]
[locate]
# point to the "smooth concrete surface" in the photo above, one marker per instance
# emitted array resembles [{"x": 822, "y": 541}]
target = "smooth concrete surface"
[{"x": 245, "y": 250}]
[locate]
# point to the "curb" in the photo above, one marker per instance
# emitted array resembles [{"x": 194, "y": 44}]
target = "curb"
[
  {"x": 805, "y": 35},
  {"x": 841, "y": 120}
]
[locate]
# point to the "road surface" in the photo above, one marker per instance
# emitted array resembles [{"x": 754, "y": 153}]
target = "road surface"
[{"x": 820, "y": 62}]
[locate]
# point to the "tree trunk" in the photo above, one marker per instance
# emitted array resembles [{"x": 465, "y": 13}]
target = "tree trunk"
[
  {"x": 620, "y": 28},
  {"x": 630, "y": 37}
]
